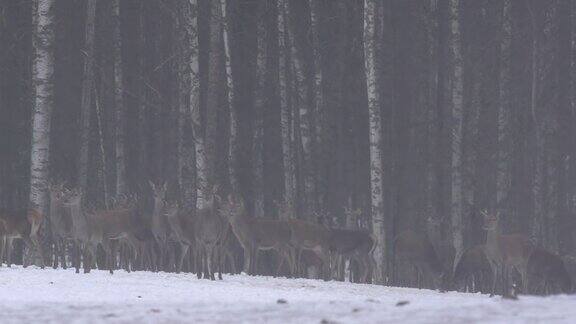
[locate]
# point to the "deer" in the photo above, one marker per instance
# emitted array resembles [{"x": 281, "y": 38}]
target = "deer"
[
  {"x": 549, "y": 271},
  {"x": 473, "y": 271},
  {"x": 159, "y": 226},
  {"x": 355, "y": 245},
  {"x": 307, "y": 236},
  {"x": 60, "y": 222},
  {"x": 505, "y": 251},
  {"x": 99, "y": 227},
  {"x": 181, "y": 224},
  {"x": 20, "y": 224},
  {"x": 417, "y": 250},
  {"x": 256, "y": 234},
  {"x": 209, "y": 229}
]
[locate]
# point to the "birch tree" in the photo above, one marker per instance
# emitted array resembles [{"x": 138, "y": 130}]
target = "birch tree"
[
  {"x": 194, "y": 101},
  {"x": 457, "y": 90},
  {"x": 87, "y": 90},
  {"x": 118, "y": 100},
  {"x": 285, "y": 111},
  {"x": 375, "y": 136},
  {"x": 43, "y": 85},
  {"x": 233, "y": 140}
]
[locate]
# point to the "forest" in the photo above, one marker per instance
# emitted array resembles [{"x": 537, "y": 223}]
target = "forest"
[{"x": 431, "y": 117}]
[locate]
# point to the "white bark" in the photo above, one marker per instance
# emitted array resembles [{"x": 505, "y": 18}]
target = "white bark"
[
  {"x": 456, "y": 211},
  {"x": 285, "y": 111},
  {"x": 43, "y": 84},
  {"x": 118, "y": 101},
  {"x": 233, "y": 140},
  {"x": 199, "y": 145},
  {"x": 375, "y": 133},
  {"x": 87, "y": 89}
]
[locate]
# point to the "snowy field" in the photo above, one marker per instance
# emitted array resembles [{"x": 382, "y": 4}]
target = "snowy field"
[{"x": 61, "y": 296}]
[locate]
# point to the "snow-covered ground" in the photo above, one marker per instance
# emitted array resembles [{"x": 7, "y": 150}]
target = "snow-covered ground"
[{"x": 61, "y": 296}]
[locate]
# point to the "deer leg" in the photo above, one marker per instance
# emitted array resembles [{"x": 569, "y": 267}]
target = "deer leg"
[
  {"x": 9, "y": 242},
  {"x": 183, "y": 251}
]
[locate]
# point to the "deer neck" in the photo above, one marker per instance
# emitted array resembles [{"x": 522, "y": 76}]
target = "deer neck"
[{"x": 492, "y": 238}]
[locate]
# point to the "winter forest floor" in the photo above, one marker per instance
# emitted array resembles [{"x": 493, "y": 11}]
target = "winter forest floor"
[{"x": 61, "y": 296}]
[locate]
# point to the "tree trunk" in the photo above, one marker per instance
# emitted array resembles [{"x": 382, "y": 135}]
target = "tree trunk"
[
  {"x": 233, "y": 140},
  {"x": 456, "y": 211},
  {"x": 87, "y": 90},
  {"x": 305, "y": 128},
  {"x": 118, "y": 100},
  {"x": 375, "y": 134},
  {"x": 285, "y": 112},
  {"x": 43, "y": 84},
  {"x": 504, "y": 148},
  {"x": 260, "y": 101},
  {"x": 319, "y": 114}
]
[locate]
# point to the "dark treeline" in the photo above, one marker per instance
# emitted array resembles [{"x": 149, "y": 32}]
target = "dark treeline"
[{"x": 416, "y": 113}]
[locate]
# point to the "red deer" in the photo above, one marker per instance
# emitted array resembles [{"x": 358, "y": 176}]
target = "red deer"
[
  {"x": 257, "y": 234},
  {"x": 548, "y": 273},
  {"x": 182, "y": 230},
  {"x": 20, "y": 224},
  {"x": 60, "y": 222},
  {"x": 505, "y": 252},
  {"x": 355, "y": 245},
  {"x": 310, "y": 237},
  {"x": 473, "y": 272},
  {"x": 210, "y": 229},
  {"x": 159, "y": 226},
  {"x": 417, "y": 250}
]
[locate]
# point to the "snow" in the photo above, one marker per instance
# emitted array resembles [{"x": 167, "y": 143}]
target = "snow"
[{"x": 56, "y": 296}]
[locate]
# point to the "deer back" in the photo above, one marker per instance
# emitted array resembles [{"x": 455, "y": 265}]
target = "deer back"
[{"x": 306, "y": 235}]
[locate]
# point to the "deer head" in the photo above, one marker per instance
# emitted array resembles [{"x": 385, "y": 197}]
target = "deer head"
[
  {"x": 491, "y": 220},
  {"x": 233, "y": 206}
]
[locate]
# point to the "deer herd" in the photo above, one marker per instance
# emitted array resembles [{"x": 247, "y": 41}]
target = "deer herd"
[{"x": 210, "y": 241}]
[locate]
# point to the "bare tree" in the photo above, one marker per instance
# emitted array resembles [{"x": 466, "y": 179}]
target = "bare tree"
[
  {"x": 456, "y": 124},
  {"x": 375, "y": 124},
  {"x": 43, "y": 83},
  {"x": 87, "y": 91},
  {"x": 118, "y": 100}
]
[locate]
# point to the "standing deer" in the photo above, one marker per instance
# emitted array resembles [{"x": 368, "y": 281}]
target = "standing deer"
[
  {"x": 209, "y": 231},
  {"x": 505, "y": 252},
  {"x": 256, "y": 234},
  {"x": 20, "y": 224},
  {"x": 548, "y": 273},
  {"x": 60, "y": 222},
  {"x": 160, "y": 228},
  {"x": 355, "y": 245},
  {"x": 182, "y": 230},
  {"x": 473, "y": 272},
  {"x": 311, "y": 237},
  {"x": 416, "y": 249}
]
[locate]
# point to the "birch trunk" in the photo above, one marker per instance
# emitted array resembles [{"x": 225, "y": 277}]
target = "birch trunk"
[
  {"x": 375, "y": 134},
  {"x": 456, "y": 211},
  {"x": 199, "y": 144},
  {"x": 87, "y": 89},
  {"x": 118, "y": 101},
  {"x": 503, "y": 164},
  {"x": 43, "y": 85},
  {"x": 212, "y": 100},
  {"x": 233, "y": 140},
  {"x": 285, "y": 111},
  {"x": 305, "y": 128},
  {"x": 260, "y": 101},
  {"x": 187, "y": 47}
]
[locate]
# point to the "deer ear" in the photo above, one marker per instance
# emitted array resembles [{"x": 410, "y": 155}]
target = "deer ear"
[
  {"x": 230, "y": 199},
  {"x": 152, "y": 184},
  {"x": 165, "y": 185}
]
